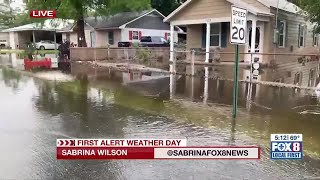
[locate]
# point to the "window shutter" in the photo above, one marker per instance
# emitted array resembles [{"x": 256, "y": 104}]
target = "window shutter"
[
  {"x": 140, "y": 35},
  {"x": 286, "y": 44},
  {"x": 278, "y": 34},
  {"x": 203, "y": 35},
  {"x": 305, "y": 32},
  {"x": 224, "y": 34},
  {"x": 130, "y": 35},
  {"x": 299, "y": 29}
]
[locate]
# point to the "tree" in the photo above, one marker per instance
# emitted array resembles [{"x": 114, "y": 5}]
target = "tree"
[
  {"x": 312, "y": 7},
  {"x": 78, "y": 9},
  {"x": 165, "y": 6}
]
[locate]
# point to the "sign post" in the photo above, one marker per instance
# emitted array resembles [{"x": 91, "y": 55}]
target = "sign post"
[{"x": 238, "y": 31}]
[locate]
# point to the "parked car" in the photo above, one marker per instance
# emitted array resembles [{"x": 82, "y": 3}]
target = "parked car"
[
  {"x": 153, "y": 41},
  {"x": 124, "y": 44},
  {"x": 46, "y": 44},
  {"x": 3, "y": 43}
]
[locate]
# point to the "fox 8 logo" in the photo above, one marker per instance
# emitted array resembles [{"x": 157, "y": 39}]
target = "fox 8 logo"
[{"x": 286, "y": 146}]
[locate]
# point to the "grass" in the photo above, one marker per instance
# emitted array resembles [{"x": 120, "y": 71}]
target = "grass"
[{"x": 22, "y": 50}]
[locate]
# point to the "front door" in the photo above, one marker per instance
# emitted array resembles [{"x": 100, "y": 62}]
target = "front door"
[{"x": 258, "y": 44}]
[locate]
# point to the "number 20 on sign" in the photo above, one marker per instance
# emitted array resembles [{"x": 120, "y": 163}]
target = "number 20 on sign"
[{"x": 238, "y": 25}]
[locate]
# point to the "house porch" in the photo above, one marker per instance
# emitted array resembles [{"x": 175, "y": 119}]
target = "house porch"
[{"x": 211, "y": 40}]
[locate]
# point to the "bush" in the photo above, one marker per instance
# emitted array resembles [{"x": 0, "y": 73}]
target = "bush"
[
  {"x": 29, "y": 51},
  {"x": 143, "y": 54}
]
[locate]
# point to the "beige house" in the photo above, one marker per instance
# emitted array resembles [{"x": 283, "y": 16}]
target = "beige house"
[{"x": 274, "y": 26}]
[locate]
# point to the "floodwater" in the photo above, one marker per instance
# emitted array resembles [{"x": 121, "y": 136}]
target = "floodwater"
[{"x": 34, "y": 113}]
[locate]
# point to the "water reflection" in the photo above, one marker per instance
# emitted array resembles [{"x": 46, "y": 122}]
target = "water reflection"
[
  {"x": 102, "y": 108},
  {"x": 16, "y": 61}
]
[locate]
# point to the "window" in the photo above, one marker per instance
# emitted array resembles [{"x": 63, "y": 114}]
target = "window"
[
  {"x": 68, "y": 36},
  {"x": 311, "y": 78},
  {"x": 145, "y": 39},
  {"x": 297, "y": 79},
  {"x": 282, "y": 34},
  {"x": 315, "y": 39},
  {"x": 302, "y": 32},
  {"x": 156, "y": 39},
  {"x": 215, "y": 34},
  {"x": 163, "y": 40},
  {"x": 110, "y": 38},
  {"x": 135, "y": 35}
]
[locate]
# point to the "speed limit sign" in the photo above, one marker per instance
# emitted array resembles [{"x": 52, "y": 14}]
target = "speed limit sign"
[{"x": 238, "y": 25}]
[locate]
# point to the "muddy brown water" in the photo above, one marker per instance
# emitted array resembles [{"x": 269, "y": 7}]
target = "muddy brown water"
[{"x": 34, "y": 113}]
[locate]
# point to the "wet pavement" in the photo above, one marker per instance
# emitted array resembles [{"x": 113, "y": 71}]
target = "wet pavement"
[{"x": 35, "y": 113}]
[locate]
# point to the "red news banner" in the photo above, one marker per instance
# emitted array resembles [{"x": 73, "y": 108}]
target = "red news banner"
[{"x": 147, "y": 149}]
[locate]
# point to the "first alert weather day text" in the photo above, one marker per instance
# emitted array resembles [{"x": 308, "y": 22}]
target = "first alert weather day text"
[
  {"x": 121, "y": 142},
  {"x": 147, "y": 149}
]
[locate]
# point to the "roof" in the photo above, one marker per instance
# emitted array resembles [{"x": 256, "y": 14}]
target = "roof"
[
  {"x": 48, "y": 25},
  {"x": 283, "y": 5},
  {"x": 115, "y": 21},
  {"x": 252, "y": 9},
  {"x": 120, "y": 20}
]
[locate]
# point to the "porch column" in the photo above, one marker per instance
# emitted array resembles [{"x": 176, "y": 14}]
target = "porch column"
[
  {"x": 171, "y": 43},
  {"x": 253, "y": 38},
  {"x": 208, "y": 43},
  {"x": 33, "y": 37},
  {"x": 172, "y": 84},
  {"x": 206, "y": 85},
  {"x": 55, "y": 39}
]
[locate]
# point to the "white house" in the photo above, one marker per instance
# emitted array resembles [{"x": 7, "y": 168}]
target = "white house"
[{"x": 126, "y": 26}]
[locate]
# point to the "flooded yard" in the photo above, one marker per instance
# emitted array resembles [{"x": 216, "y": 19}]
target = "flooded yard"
[{"x": 112, "y": 104}]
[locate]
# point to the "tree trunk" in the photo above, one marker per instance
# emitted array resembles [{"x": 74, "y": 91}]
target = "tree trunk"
[{"x": 80, "y": 32}]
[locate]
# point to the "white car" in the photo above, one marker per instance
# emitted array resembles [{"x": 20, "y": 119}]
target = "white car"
[
  {"x": 46, "y": 44},
  {"x": 3, "y": 44}
]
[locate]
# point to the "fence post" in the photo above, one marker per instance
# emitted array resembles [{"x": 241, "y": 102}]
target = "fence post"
[
  {"x": 95, "y": 55},
  {"x": 192, "y": 62},
  {"x": 108, "y": 53},
  {"x": 251, "y": 64},
  {"x": 174, "y": 61}
]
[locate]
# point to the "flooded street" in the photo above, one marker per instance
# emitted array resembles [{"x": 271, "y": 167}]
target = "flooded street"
[{"x": 34, "y": 113}]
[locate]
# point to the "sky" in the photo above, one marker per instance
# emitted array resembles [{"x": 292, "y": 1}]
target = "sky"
[{"x": 16, "y": 4}]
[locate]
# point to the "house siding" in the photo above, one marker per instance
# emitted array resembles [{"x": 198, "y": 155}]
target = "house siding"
[
  {"x": 4, "y": 36},
  {"x": 292, "y": 32},
  {"x": 203, "y": 9},
  {"x": 102, "y": 38},
  {"x": 145, "y": 32},
  {"x": 152, "y": 21},
  {"x": 74, "y": 37},
  {"x": 194, "y": 36}
]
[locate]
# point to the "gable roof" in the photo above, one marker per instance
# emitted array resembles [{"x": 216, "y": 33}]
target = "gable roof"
[
  {"x": 283, "y": 5},
  {"x": 119, "y": 20},
  {"x": 114, "y": 21},
  {"x": 48, "y": 25},
  {"x": 251, "y": 8}
]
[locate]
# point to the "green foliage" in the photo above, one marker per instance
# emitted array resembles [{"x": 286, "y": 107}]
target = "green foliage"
[
  {"x": 6, "y": 20},
  {"x": 312, "y": 7},
  {"x": 143, "y": 54},
  {"x": 29, "y": 51},
  {"x": 78, "y": 9},
  {"x": 165, "y": 6}
]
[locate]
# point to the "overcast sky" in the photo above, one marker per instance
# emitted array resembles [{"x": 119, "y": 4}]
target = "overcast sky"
[{"x": 16, "y": 3}]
